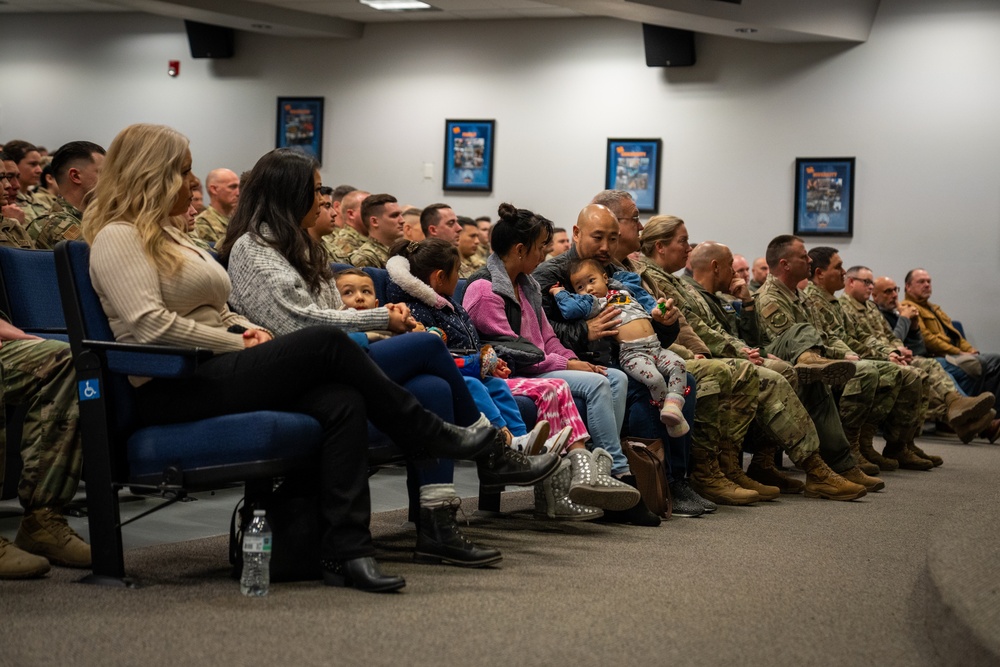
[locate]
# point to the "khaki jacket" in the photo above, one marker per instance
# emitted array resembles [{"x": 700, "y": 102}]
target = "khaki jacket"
[{"x": 940, "y": 335}]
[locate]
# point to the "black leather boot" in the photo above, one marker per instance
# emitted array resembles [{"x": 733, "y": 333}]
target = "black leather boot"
[
  {"x": 501, "y": 466},
  {"x": 465, "y": 443},
  {"x": 361, "y": 573},
  {"x": 440, "y": 541},
  {"x": 638, "y": 515}
]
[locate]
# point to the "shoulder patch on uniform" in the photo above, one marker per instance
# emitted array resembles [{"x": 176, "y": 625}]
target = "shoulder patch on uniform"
[{"x": 769, "y": 309}]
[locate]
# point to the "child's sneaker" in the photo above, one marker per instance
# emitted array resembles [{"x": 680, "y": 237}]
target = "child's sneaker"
[
  {"x": 531, "y": 443},
  {"x": 557, "y": 443},
  {"x": 673, "y": 417}
]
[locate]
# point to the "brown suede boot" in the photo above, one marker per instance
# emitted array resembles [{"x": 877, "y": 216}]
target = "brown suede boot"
[
  {"x": 763, "y": 470},
  {"x": 907, "y": 459},
  {"x": 822, "y": 482},
  {"x": 967, "y": 432},
  {"x": 730, "y": 465},
  {"x": 858, "y": 476},
  {"x": 853, "y": 437},
  {"x": 812, "y": 367},
  {"x": 709, "y": 482},
  {"x": 16, "y": 563},
  {"x": 44, "y": 532},
  {"x": 965, "y": 409},
  {"x": 936, "y": 460},
  {"x": 865, "y": 444}
]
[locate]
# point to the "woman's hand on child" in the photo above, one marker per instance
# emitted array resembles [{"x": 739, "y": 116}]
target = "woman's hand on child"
[{"x": 399, "y": 317}]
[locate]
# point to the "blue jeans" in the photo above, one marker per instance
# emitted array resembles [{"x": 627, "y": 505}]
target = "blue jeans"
[
  {"x": 605, "y": 400},
  {"x": 964, "y": 384},
  {"x": 404, "y": 358},
  {"x": 644, "y": 422}
]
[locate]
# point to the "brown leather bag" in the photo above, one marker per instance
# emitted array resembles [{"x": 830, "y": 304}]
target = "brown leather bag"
[{"x": 645, "y": 458}]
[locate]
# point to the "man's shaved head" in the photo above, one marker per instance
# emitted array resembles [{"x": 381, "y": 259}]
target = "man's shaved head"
[{"x": 708, "y": 251}]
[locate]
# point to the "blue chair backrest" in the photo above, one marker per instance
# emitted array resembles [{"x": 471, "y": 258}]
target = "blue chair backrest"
[
  {"x": 29, "y": 292},
  {"x": 86, "y": 312}
]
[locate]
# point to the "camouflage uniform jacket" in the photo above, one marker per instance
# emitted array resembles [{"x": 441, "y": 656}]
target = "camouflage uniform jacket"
[
  {"x": 343, "y": 243},
  {"x": 826, "y": 315},
  {"x": 695, "y": 334},
  {"x": 877, "y": 339},
  {"x": 210, "y": 225},
  {"x": 370, "y": 253},
  {"x": 470, "y": 265},
  {"x": 739, "y": 329},
  {"x": 45, "y": 198},
  {"x": 61, "y": 222},
  {"x": 13, "y": 235},
  {"x": 779, "y": 308},
  {"x": 32, "y": 207}
]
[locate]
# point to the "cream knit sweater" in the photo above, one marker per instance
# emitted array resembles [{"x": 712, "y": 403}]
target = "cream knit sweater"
[{"x": 186, "y": 309}]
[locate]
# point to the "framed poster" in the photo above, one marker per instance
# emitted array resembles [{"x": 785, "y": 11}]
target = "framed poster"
[
  {"x": 468, "y": 155},
  {"x": 634, "y": 166},
  {"x": 824, "y": 196},
  {"x": 300, "y": 125}
]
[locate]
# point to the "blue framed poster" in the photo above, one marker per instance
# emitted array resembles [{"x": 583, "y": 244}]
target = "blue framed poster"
[
  {"x": 824, "y": 196},
  {"x": 300, "y": 125},
  {"x": 634, "y": 166},
  {"x": 468, "y": 154}
]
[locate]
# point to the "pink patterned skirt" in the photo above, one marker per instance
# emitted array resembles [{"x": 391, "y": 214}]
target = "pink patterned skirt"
[{"x": 554, "y": 402}]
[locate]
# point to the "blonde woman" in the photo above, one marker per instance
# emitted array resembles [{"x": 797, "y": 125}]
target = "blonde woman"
[{"x": 158, "y": 287}]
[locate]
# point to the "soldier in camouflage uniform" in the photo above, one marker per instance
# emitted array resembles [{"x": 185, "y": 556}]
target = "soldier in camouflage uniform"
[
  {"x": 12, "y": 234},
  {"x": 62, "y": 222},
  {"x": 76, "y": 167},
  {"x": 39, "y": 374},
  {"x": 383, "y": 218},
  {"x": 354, "y": 232},
  {"x": 224, "y": 192},
  {"x": 780, "y": 419},
  {"x": 468, "y": 248},
  {"x": 875, "y": 340},
  {"x": 28, "y": 163}
]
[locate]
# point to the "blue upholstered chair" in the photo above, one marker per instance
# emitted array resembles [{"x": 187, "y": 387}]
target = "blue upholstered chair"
[{"x": 254, "y": 447}]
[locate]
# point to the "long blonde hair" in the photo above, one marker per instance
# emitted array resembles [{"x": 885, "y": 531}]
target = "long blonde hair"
[
  {"x": 140, "y": 181},
  {"x": 659, "y": 228}
]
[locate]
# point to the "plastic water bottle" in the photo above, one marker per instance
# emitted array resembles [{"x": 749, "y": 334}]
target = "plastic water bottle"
[{"x": 256, "y": 577}]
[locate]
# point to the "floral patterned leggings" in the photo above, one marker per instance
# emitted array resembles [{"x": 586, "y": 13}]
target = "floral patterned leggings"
[{"x": 648, "y": 363}]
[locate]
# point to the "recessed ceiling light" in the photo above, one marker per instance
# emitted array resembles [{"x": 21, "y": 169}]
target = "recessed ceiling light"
[
  {"x": 747, "y": 31},
  {"x": 396, "y": 5}
]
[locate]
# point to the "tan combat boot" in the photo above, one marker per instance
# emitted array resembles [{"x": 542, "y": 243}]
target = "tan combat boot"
[
  {"x": 822, "y": 482},
  {"x": 44, "y": 532},
  {"x": 763, "y": 470},
  {"x": 854, "y": 438},
  {"x": 936, "y": 460},
  {"x": 18, "y": 564},
  {"x": 709, "y": 482},
  {"x": 965, "y": 409},
  {"x": 865, "y": 444},
  {"x": 730, "y": 463},
  {"x": 968, "y": 431},
  {"x": 857, "y": 476},
  {"x": 907, "y": 459},
  {"x": 812, "y": 367}
]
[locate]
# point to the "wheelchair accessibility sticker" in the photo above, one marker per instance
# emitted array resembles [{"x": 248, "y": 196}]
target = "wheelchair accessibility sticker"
[{"x": 89, "y": 390}]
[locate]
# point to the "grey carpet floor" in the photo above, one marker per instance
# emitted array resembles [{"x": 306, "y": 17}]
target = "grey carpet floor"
[{"x": 792, "y": 582}]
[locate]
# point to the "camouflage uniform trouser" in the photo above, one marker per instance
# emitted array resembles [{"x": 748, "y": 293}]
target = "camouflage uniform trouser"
[
  {"x": 716, "y": 418},
  {"x": 40, "y": 375},
  {"x": 781, "y": 418},
  {"x": 939, "y": 385},
  {"x": 816, "y": 398},
  {"x": 882, "y": 392}
]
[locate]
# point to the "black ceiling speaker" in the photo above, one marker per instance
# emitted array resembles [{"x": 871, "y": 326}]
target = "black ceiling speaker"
[
  {"x": 209, "y": 41},
  {"x": 668, "y": 47}
]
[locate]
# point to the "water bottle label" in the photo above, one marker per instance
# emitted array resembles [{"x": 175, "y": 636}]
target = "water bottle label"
[{"x": 257, "y": 543}]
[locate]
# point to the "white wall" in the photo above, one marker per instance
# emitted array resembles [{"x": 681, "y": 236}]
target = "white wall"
[{"x": 918, "y": 105}]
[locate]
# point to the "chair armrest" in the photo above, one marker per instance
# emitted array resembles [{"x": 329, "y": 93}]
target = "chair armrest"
[{"x": 164, "y": 361}]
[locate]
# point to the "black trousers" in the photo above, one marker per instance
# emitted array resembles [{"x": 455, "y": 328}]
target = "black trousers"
[{"x": 320, "y": 372}]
